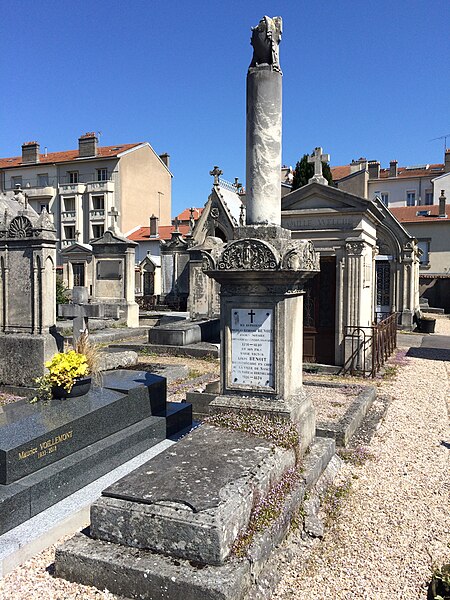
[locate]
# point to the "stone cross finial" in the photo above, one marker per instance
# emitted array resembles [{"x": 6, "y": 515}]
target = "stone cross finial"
[
  {"x": 191, "y": 219},
  {"x": 317, "y": 158},
  {"x": 114, "y": 215},
  {"x": 216, "y": 172}
]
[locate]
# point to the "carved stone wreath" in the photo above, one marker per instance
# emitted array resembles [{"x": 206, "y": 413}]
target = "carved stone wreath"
[
  {"x": 20, "y": 227},
  {"x": 252, "y": 255}
]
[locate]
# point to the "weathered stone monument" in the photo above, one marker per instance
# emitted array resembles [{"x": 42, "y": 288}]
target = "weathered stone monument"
[
  {"x": 27, "y": 290},
  {"x": 114, "y": 266},
  {"x": 171, "y": 528},
  {"x": 263, "y": 272}
]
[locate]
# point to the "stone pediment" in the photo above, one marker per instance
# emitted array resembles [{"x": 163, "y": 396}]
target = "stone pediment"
[
  {"x": 115, "y": 238},
  {"x": 77, "y": 248},
  {"x": 318, "y": 197}
]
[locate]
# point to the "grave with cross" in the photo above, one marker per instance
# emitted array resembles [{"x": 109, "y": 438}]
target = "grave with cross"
[
  {"x": 318, "y": 158},
  {"x": 80, "y": 310}
]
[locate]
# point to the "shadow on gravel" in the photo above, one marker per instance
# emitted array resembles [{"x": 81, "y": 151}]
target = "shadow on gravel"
[{"x": 430, "y": 353}]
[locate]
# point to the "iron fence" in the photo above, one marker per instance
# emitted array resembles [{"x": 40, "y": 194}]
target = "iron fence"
[{"x": 368, "y": 348}]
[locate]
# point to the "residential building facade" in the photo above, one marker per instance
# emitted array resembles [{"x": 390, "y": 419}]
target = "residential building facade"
[
  {"x": 90, "y": 188},
  {"x": 415, "y": 185}
]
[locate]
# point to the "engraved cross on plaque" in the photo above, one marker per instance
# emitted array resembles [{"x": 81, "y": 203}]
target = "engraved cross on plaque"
[
  {"x": 251, "y": 314},
  {"x": 317, "y": 158},
  {"x": 216, "y": 172}
]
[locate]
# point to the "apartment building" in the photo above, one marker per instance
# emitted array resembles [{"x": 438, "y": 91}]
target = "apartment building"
[
  {"x": 89, "y": 188},
  {"x": 413, "y": 185}
]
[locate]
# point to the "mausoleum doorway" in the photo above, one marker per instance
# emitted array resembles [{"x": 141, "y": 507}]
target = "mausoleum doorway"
[{"x": 319, "y": 312}]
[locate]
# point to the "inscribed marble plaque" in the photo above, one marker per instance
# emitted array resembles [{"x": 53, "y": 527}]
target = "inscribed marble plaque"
[{"x": 252, "y": 347}]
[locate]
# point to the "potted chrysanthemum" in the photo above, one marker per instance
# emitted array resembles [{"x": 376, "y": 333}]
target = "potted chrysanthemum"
[{"x": 69, "y": 373}]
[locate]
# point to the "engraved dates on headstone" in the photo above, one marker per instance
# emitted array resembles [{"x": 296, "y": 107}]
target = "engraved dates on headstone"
[{"x": 252, "y": 348}]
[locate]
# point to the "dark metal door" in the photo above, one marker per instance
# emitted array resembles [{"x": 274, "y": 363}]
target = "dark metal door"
[
  {"x": 319, "y": 315},
  {"x": 78, "y": 274}
]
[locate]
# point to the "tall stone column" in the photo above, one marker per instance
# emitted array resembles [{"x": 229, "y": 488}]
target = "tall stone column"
[
  {"x": 262, "y": 272},
  {"x": 263, "y": 156}
]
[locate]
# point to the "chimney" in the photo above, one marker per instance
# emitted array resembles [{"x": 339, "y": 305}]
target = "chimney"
[
  {"x": 447, "y": 161},
  {"x": 442, "y": 200},
  {"x": 393, "y": 171},
  {"x": 153, "y": 226},
  {"x": 30, "y": 152},
  {"x": 87, "y": 145},
  {"x": 374, "y": 169},
  {"x": 166, "y": 159}
]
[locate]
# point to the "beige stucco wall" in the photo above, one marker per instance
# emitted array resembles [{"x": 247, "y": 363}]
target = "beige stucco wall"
[
  {"x": 357, "y": 184},
  {"x": 397, "y": 188},
  {"x": 142, "y": 175},
  {"x": 439, "y": 234}
]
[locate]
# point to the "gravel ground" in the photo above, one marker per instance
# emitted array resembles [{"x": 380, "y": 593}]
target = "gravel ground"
[
  {"x": 393, "y": 524},
  {"x": 331, "y": 403}
]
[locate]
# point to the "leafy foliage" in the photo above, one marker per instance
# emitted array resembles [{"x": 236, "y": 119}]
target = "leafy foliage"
[
  {"x": 304, "y": 171},
  {"x": 61, "y": 291}
]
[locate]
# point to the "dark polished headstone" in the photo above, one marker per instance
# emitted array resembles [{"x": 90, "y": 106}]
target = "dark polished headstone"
[
  {"x": 35, "y": 436},
  {"x": 140, "y": 385},
  {"x": 34, "y": 493}
]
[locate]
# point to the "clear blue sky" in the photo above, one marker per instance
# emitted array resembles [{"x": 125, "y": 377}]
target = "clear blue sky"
[{"x": 360, "y": 79}]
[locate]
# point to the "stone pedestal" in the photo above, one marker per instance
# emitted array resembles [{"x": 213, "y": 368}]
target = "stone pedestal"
[{"x": 261, "y": 310}]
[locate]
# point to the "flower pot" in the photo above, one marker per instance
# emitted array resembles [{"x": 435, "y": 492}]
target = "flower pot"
[
  {"x": 80, "y": 387},
  {"x": 427, "y": 325}
]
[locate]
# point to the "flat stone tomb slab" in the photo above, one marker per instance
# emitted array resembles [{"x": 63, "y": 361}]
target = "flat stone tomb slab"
[
  {"x": 35, "y": 436},
  {"x": 193, "y": 499}
]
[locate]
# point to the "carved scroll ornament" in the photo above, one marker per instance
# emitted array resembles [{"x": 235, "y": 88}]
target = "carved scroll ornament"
[{"x": 249, "y": 255}]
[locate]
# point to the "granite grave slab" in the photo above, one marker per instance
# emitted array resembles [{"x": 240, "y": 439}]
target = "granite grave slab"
[{"x": 35, "y": 436}]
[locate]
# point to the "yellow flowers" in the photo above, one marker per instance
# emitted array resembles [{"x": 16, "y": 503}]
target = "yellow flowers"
[{"x": 65, "y": 367}]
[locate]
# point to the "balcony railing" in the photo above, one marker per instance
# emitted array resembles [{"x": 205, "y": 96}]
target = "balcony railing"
[
  {"x": 97, "y": 213},
  {"x": 54, "y": 181},
  {"x": 68, "y": 215}
]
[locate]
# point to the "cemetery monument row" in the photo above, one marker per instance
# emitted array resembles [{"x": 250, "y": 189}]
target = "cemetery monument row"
[{"x": 168, "y": 529}]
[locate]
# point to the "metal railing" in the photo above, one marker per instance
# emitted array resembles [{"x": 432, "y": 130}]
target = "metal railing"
[{"x": 368, "y": 348}]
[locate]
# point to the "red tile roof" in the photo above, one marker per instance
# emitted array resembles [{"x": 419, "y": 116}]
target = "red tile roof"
[
  {"x": 402, "y": 172},
  {"x": 432, "y": 171},
  {"x": 408, "y": 214},
  {"x": 340, "y": 172},
  {"x": 68, "y": 155},
  {"x": 164, "y": 233},
  {"x": 186, "y": 214}
]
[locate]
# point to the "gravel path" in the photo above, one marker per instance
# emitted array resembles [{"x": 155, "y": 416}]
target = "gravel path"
[{"x": 393, "y": 524}]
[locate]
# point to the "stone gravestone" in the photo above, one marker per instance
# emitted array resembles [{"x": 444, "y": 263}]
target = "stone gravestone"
[
  {"x": 80, "y": 311},
  {"x": 27, "y": 290},
  {"x": 114, "y": 274},
  {"x": 262, "y": 274}
]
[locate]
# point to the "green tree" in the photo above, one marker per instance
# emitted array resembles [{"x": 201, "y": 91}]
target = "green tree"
[
  {"x": 61, "y": 291},
  {"x": 304, "y": 171}
]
